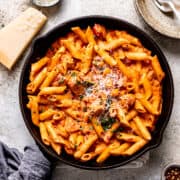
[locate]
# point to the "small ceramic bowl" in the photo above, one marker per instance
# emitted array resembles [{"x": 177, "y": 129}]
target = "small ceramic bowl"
[{"x": 170, "y": 165}]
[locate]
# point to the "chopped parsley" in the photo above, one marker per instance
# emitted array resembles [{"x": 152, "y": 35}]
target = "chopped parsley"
[
  {"x": 81, "y": 97},
  {"x": 87, "y": 84},
  {"x": 108, "y": 102},
  {"x": 107, "y": 122},
  {"x": 120, "y": 129},
  {"x": 75, "y": 146},
  {"x": 78, "y": 82},
  {"x": 73, "y": 74}
]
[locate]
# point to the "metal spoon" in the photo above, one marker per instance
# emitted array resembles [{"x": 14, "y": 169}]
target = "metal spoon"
[
  {"x": 163, "y": 8},
  {"x": 168, "y": 6}
]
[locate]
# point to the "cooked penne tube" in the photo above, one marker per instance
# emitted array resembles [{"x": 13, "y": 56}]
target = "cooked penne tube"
[
  {"x": 85, "y": 146},
  {"x": 58, "y": 115},
  {"x": 80, "y": 141},
  {"x": 133, "y": 40},
  {"x": 157, "y": 103},
  {"x": 37, "y": 66},
  {"x": 121, "y": 117},
  {"x": 139, "y": 107},
  {"x": 88, "y": 59},
  {"x": 50, "y": 77},
  {"x": 56, "y": 58},
  {"x": 116, "y": 43},
  {"x": 120, "y": 150},
  {"x": 87, "y": 157},
  {"x": 64, "y": 103},
  {"x": 57, "y": 147},
  {"x": 106, "y": 57},
  {"x": 127, "y": 72},
  {"x": 100, "y": 148},
  {"x": 147, "y": 87},
  {"x": 52, "y": 90},
  {"x": 135, "y": 147},
  {"x": 98, "y": 128},
  {"x": 103, "y": 156},
  {"x": 54, "y": 97},
  {"x": 138, "y": 56},
  {"x": 33, "y": 85},
  {"x": 64, "y": 142},
  {"x": 44, "y": 134},
  {"x": 77, "y": 30},
  {"x": 157, "y": 68},
  {"x": 46, "y": 114},
  {"x": 127, "y": 137},
  {"x": 60, "y": 130},
  {"x": 149, "y": 107},
  {"x": 33, "y": 100},
  {"x": 135, "y": 128},
  {"x": 106, "y": 153},
  {"x": 75, "y": 53},
  {"x": 131, "y": 114},
  {"x": 90, "y": 36},
  {"x": 52, "y": 132},
  {"x": 73, "y": 139},
  {"x": 142, "y": 128}
]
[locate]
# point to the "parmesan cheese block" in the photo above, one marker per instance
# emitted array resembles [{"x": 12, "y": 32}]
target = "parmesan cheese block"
[{"x": 15, "y": 37}]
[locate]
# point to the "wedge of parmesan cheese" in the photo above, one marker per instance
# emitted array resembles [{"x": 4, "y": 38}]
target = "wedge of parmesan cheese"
[{"x": 15, "y": 37}]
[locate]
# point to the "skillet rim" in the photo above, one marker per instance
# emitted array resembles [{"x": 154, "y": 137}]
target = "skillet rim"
[{"x": 149, "y": 146}]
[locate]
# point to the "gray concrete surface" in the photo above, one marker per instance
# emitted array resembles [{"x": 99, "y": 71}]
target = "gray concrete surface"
[{"x": 12, "y": 127}]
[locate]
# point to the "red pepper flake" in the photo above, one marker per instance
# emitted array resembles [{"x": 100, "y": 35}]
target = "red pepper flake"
[{"x": 172, "y": 173}]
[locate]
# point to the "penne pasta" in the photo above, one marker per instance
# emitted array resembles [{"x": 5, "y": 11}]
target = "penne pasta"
[
  {"x": 135, "y": 147},
  {"x": 52, "y": 90},
  {"x": 33, "y": 86},
  {"x": 142, "y": 128},
  {"x": 84, "y": 147},
  {"x": 44, "y": 134},
  {"x": 96, "y": 93},
  {"x": 77, "y": 30},
  {"x": 106, "y": 57},
  {"x": 36, "y": 67}
]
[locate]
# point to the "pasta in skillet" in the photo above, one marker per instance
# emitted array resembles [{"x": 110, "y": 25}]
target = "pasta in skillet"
[{"x": 96, "y": 93}]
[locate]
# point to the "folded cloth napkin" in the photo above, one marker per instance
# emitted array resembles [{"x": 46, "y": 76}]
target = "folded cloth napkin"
[{"x": 32, "y": 165}]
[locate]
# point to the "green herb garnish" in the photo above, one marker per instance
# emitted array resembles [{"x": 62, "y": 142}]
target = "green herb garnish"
[
  {"x": 81, "y": 97},
  {"x": 106, "y": 122},
  {"x": 78, "y": 82},
  {"x": 73, "y": 74},
  {"x": 87, "y": 84},
  {"x": 75, "y": 146},
  {"x": 120, "y": 129}
]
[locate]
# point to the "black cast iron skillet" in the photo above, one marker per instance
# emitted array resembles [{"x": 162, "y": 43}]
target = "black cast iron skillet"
[{"x": 39, "y": 48}]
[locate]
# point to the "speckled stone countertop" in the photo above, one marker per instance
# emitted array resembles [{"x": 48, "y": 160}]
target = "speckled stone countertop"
[{"x": 12, "y": 128}]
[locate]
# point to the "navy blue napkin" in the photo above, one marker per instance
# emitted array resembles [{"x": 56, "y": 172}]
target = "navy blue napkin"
[{"x": 32, "y": 165}]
